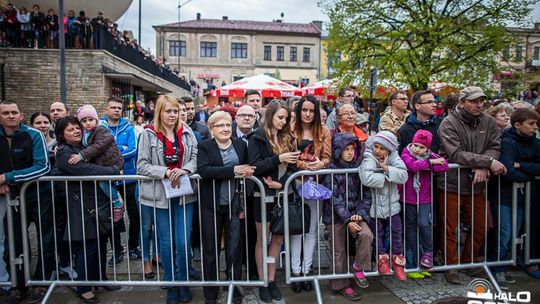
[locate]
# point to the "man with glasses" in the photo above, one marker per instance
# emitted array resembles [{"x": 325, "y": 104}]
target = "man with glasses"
[
  {"x": 242, "y": 127},
  {"x": 244, "y": 122},
  {"x": 394, "y": 116},
  {"x": 253, "y": 98},
  {"x": 423, "y": 118},
  {"x": 469, "y": 137}
]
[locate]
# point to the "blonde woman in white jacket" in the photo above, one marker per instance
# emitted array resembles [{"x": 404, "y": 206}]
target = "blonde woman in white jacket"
[{"x": 167, "y": 150}]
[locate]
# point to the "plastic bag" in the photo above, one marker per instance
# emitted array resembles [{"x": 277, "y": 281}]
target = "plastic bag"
[{"x": 311, "y": 190}]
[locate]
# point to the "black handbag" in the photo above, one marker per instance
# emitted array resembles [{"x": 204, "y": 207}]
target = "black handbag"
[{"x": 299, "y": 217}]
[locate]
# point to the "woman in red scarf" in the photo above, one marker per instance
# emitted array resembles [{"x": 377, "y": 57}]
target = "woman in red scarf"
[{"x": 167, "y": 150}]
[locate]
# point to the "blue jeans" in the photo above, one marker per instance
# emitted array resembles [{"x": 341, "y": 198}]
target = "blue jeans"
[
  {"x": 417, "y": 219},
  {"x": 503, "y": 222},
  {"x": 179, "y": 222}
]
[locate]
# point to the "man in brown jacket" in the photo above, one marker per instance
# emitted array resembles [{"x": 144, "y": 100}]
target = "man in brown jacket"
[{"x": 468, "y": 138}]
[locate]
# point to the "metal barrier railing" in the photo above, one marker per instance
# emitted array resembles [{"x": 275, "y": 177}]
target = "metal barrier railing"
[
  {"x": 529, "y": 234},
  {"x": 120, "y": 276},
  {"x": 475, "y": 245},
  {"x": 84, "y": 236},
  {"x": 6, "y": 214}
]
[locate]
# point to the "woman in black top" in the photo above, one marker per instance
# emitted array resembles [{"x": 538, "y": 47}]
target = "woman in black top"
[
  {"x": 272, "y": 151},
  {"x": 220, "y": 159}
]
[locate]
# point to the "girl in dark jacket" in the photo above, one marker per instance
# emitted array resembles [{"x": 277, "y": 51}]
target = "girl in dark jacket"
[
  {"x": 345, "y": 214},
  {"x": 88, "y": 210},
  {"x": 220, "y": 159},
  {"x": 272, "y": 151}
]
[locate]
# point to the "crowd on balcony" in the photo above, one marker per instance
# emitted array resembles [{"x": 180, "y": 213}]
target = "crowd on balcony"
[{"x": 21, "y": 28}]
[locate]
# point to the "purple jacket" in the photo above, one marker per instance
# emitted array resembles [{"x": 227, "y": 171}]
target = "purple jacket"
[{"x": 423, "y": 168}]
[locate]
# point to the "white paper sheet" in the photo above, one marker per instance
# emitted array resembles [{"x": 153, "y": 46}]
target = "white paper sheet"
[{"x": 184, "y": 189}]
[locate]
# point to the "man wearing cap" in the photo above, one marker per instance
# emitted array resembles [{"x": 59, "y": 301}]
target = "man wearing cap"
[
  {"x": 394, "y": 116},
  {"x": 423, "y": 118},
  {"x": 469, "y": 138}
]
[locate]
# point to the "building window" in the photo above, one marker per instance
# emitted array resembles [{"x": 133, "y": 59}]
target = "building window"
[
  {"x": 536, "y": 55},
  {"x": 208, "y": 49},
  {"x": 293, "y": 54},
  {"x": 519, "y": 53},
  {"x": 267, "y": 52},
  {"x": 307, "y": 55},
  {"x": 177, "y": 47},
  {"x": 506, "y": 54},
  {"x": 280, "y": 53},
  {"x": 238, "y": 50}
]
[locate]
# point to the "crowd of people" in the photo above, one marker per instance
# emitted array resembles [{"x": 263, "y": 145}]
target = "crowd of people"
[{"x": 389, "y": 201}]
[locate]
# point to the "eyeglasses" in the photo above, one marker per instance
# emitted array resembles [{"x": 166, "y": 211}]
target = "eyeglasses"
[
  {"x": 223, "y": 125},
  {"x": 348, "y": 96},
  {"x": 250, "y": 116},
  {"x": 402, "y": 98},
  {"x": 348, "y": 114},
  {"x": 426, "y": 102}
]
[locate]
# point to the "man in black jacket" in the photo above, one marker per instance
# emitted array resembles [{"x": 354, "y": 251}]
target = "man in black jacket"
[
  {"x": 24, "y": 158},
  {"x": 423, "y": 118},
  {"x": 192, "y": 123}
]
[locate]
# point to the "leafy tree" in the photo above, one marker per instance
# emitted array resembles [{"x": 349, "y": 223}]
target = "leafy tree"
[{"x": 418, "y": 41}]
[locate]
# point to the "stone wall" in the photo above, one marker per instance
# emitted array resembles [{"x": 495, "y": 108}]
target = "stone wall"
[{"x": 32, "y": 77}]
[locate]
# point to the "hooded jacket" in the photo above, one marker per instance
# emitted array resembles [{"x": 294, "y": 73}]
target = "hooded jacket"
[
  {"x": 384, "y": 185},
  {"x": 423, "y": 169},
  {"x": 516, "y": 148},
  {"x": 346, "y": 195},
  {"x": 151, "y": 163},
  {"x": 126, "y": 141},
  {"x": 468, "y": 141},
  {"x": 102, "y": 149},
  {"x": 412, "y": 124}
]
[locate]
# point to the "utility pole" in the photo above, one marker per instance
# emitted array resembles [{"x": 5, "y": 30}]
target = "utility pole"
[
  {"x": 140, "y": 20},
  {"x": 62, "y": 47},
  {"x": 179, "y": 39}
]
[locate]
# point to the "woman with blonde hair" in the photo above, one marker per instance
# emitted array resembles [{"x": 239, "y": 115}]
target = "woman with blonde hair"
[
  {"x": 167, "y": 150},
  {"x": 501, "y": 116},
  {"x": 272, "y": 151}
]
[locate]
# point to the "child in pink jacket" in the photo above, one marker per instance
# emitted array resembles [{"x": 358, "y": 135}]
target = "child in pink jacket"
[{"x": 417, "y": 195}]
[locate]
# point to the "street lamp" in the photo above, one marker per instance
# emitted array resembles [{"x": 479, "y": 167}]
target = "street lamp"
[{"x": 179, "y": 39}]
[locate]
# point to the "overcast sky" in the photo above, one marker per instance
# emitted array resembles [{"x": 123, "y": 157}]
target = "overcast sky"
[{"x": 159, "y": 12}]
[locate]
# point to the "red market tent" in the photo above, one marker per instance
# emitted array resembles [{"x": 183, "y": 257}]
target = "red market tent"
[
  {"x": 268, "y": 87},
  {"x": 326, "y": 87}
]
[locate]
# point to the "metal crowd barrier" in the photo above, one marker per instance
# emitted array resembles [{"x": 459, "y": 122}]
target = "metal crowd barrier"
[
  {"x": 6, "y": 214},
  {"x": 64, "y": 243},
  {"x": 530, "y": 258},
  {"x": 322, "y": 271}
]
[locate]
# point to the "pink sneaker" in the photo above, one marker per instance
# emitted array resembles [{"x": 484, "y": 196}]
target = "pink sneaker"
[
  {"x": 427, "y": 260},
  {"x": 359, "y": 276}
]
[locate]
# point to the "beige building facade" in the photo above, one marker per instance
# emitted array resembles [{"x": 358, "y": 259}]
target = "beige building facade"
[
  {"x": 520, "y": 63},
  {"x": 228, "y": 50}
]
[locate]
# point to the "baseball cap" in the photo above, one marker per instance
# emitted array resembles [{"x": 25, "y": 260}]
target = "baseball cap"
[{"x": 471, "y": 93}]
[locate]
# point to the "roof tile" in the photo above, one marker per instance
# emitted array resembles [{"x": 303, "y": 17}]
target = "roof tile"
[{"x": 262, "y": 26}]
